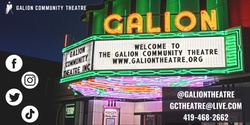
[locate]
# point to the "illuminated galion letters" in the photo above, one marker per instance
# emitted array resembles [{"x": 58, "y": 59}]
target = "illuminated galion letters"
[
  {"x": 205, "y": 19},
  {"x": 135, "y": 22},
  {"x": 150, "y": 28},
  {"x": 167, "y": 21},
  {"x": 107, "y": 22},
  {"x": 131, "y": 24},
  {"x": 180, "y": 16}
]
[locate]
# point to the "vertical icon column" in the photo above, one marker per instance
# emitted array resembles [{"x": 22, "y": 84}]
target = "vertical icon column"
[{"x": 14, "y": 96}]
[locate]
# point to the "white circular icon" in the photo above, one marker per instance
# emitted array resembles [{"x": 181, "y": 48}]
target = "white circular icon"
[
  {"x": 14, "y": 97},
  {"x": 30, "y": 80},
  {"x": 30, "y": 114},
  {"x": 14, "y": 63}
]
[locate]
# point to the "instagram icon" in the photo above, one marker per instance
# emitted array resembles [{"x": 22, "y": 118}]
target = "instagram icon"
[{"x": 30, "y": 80}]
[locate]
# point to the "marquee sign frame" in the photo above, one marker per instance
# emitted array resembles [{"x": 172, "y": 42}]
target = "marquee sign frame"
[{"x": 233, "y": 52}]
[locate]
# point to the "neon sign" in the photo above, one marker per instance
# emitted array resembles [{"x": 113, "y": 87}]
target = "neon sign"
[{"x": 135, "y": 22}]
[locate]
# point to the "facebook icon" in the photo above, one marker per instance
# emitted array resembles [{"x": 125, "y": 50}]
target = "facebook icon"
[{"x": 14, "y": 63}]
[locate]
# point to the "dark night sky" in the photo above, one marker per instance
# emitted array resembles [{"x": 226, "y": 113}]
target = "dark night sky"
[{"x": 41, "y": 33}]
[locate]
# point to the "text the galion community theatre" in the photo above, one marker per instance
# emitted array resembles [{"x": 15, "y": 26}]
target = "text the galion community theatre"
[{"x": 202, "y": 52}]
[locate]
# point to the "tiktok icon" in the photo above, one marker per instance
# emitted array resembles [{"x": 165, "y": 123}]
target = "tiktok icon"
[{"x": 30, "y": 114}]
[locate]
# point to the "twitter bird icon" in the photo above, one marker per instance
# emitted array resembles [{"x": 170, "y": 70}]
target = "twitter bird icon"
[{"x": 14, "y": 97}]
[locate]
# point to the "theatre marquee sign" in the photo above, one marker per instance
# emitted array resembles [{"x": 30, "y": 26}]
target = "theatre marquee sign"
[{"x": 186, "y": 53}]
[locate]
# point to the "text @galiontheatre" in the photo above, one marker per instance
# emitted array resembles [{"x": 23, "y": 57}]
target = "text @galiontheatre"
[{"x": 205, "y": 94}]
